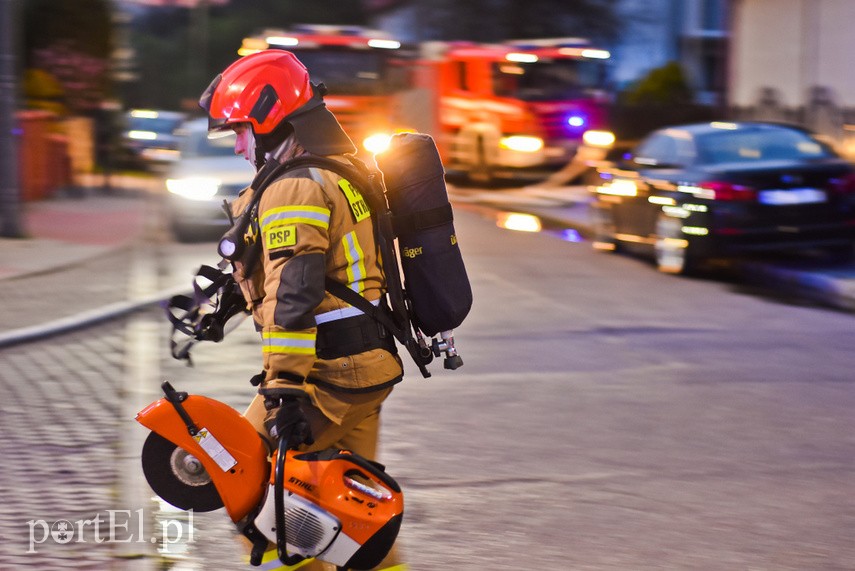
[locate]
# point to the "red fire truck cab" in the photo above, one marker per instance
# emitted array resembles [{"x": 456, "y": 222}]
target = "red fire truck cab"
[{"x": 503, "y": 109}]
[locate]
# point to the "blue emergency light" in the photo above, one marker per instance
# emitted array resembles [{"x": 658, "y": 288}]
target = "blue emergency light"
[{"x": 576, "y": 120}]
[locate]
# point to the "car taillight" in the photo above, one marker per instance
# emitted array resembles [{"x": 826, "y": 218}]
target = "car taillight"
[
  {"x": 844, "y": 184},
  {"x": 730, "y": 192}
]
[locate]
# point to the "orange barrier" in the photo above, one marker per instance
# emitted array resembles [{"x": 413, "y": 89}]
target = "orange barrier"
[{"x": 44, "y": 164}]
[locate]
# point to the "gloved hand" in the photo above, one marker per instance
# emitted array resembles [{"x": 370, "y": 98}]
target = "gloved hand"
[{"x": 287, "y": 421}]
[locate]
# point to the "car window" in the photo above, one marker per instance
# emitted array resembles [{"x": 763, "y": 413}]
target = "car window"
[
  {"x": 197, "y": 144},
  {"x": 158, "y": 125},
  {"x": 760, "y": 144},
  {"x": 673, "y": 149}
]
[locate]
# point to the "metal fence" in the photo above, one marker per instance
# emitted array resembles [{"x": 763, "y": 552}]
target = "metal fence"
[{"x": 822, "y": 113}]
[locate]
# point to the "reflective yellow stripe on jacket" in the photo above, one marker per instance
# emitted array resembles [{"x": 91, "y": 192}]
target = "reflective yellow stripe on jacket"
[
  {"x": 314, "y": 215},
  {"x": 356, "y": 262},
  {"x": 287, "y": 342}
]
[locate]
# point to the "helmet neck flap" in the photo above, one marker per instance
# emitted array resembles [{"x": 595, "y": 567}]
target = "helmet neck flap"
[{"x": 315, "y": 128}]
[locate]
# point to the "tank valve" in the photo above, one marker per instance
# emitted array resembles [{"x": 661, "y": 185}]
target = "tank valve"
[{"x": 452, "y": 358}]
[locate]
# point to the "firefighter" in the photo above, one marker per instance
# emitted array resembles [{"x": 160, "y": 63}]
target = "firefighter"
[{"x": 311, "y": 225}]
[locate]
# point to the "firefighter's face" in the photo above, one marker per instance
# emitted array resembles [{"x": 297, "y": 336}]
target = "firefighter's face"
[{"x": 244, "y": 141}]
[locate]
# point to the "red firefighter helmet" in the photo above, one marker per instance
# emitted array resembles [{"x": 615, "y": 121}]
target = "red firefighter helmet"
[
  {"x": 271, "y": 90},
  {"x": 261, "y": 88}
]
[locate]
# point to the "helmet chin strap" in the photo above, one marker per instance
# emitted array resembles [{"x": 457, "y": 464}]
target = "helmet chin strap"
[
  {"x": 260, "y": 157},
  {"x": 253, "y": 153}
]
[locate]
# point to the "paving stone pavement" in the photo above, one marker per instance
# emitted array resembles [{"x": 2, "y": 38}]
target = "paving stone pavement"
[
  {"x": 63, "y": 424},
  {"x": 64, "y": 411},
  {"x": 59, "y": 440}
]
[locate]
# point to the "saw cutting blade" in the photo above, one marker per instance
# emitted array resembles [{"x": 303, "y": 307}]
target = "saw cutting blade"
[{"x": 177, "y": 476}]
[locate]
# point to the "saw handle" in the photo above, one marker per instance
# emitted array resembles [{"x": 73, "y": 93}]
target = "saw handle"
[
  {"x": 279, "y": 504},
  {"x": 175, "y": 398},
  {"x": 372, "y": 468}
]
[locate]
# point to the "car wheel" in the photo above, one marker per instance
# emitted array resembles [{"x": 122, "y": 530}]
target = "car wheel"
[
  {"x": 604, "y": 229},
  {"x": 673, "y": 250}
]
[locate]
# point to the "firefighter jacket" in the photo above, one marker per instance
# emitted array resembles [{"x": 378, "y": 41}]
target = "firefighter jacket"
[{"x": 312, "y": 224}]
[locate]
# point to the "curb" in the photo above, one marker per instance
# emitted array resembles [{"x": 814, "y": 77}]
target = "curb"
[
  {"x": 86, "y": 318},
  {"x": 73, "y": 260},
  {"x": 822, "y": 288},
  {"x": 817, "y": 287}
]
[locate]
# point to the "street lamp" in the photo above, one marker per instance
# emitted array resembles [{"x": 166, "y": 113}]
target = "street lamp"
[{"x": 10, "y": 219}]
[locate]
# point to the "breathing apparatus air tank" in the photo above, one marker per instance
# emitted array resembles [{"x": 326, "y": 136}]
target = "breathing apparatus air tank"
[{"x": 435, "y": 277}]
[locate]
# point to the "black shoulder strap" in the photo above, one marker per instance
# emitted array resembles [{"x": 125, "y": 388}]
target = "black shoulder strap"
[
  {"x": 346, "y": 294},
  {"x": 370, "y": 184}
]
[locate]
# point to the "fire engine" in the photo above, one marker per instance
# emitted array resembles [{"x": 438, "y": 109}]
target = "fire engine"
[
  {"x": 495, "y": 110},
  {"x": 362, "y": 69},
  {"x": 505, "y": 109}
]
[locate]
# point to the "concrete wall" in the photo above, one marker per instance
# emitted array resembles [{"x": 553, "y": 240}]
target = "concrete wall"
[{"x": 792, "y": 46}]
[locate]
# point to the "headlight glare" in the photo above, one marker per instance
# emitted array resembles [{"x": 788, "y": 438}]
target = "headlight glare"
[
  {"x": 193, "y": 188},
  {"x": 599, "y": 138},
  {"x": 521, "y": 143},
  {"x": 377, "y": 143}
]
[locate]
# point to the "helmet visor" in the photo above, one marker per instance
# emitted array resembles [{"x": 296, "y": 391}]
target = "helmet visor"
[
  {"x": 216, "y": 125},
  {"x": 208, "y": 94},
  {"x": 218, "y": 128}
]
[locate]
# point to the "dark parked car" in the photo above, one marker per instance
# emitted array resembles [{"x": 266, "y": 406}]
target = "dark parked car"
[{"x": 693, "y": 192}]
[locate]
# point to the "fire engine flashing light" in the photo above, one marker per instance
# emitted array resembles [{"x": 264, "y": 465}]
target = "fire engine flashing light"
[
  {"x": 576, "y": 120},
  {"x": 596, "y": 54},
  {"x": 590, "y": 53},
  {"x": 384, "y": 44},
  {"x": 282, "y": 41},
  {"x": 521, "y": 57}
]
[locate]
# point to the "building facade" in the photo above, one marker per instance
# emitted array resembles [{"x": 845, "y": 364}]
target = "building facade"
[{"x": 790, "y": 60}]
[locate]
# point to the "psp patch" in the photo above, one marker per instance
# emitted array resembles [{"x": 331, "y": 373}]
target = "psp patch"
[{"x": 280, "y": 237}]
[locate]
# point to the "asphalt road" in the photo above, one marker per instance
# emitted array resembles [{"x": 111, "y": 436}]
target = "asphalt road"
[
  {"x": 607, "y": 417},
  {"x": 610, "y": 417}
]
